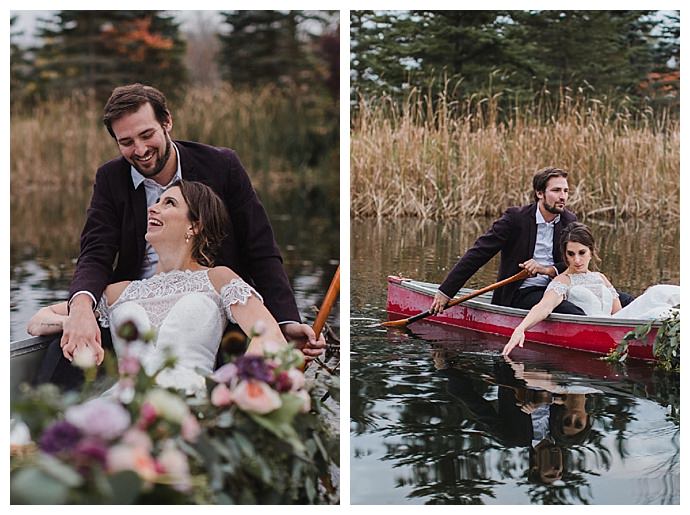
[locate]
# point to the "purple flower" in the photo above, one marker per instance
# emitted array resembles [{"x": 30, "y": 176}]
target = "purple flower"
[
  {"x": 60, "y": 436},
  {"x": 89, "y": 452},
  {"x": 283, "y": 382},
  {"x": 254, "y": 367}
]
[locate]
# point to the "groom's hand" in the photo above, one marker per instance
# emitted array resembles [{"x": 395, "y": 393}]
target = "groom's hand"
[
  {"x": 80, "y": 329},
  {"x": 304, "y": 339},
  {"x": 535, "y": 268}
]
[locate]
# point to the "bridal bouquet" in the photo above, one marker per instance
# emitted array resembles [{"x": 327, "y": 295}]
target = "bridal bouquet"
[{"x": 259, "y": 436}]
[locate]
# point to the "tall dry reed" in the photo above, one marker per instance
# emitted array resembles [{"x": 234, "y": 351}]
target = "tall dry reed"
[
  {"x": 59, "y": 145},
  {"x": 440, "y": 158}
]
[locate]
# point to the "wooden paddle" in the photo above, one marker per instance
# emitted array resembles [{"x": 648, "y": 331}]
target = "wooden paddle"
[
  {"x": 325, "y": 309},
  {"x": 328, "y": 302},
  {"x": 523, "y": 274}
]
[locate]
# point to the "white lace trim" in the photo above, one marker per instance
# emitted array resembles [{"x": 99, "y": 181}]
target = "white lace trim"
[
  {"x": 558, "y": 287},
  {"x": 593, "y": 281},
  {"x": 161, "y": 291},
  {"x": 236, "y": 291}
]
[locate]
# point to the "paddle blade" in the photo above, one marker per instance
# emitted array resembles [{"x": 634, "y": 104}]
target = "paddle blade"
[{"x": 396, "y": 323}]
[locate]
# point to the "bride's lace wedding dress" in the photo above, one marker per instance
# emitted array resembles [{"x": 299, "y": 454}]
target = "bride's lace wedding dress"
[
  {"x": 590, "y": 292},
  {"x": 188, "y": 316}
]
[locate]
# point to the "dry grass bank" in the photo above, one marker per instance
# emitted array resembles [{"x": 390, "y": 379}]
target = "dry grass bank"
[
  {"x": 446, "y": 159},
  {"x": 59, "y": 145}
]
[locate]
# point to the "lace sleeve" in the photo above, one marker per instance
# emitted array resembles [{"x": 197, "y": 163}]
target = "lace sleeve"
[
  {"x": 236, "y": 291},
  {"x": 559, "y": 287},
  {"x": 609, "y": 286},
  {"x": 102, "y": 312}
]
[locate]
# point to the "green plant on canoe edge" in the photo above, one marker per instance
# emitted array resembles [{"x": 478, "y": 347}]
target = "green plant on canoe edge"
[{"x": 666, "y": 344}]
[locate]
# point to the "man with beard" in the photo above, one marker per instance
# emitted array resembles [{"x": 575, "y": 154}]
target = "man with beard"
[
  {"x": 527, "y": 238},
  {"x": 113, "y": 247}
]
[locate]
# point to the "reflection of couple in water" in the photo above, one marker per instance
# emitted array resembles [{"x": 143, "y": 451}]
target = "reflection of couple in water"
[
  {"x": 181, "y": 256},
  {"x": 531, "y": 411}
]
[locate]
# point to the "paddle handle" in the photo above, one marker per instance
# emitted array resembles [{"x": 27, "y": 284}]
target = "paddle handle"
[
  {"x": 328, "y": 302},
  {"x": 523, "y": 274}
]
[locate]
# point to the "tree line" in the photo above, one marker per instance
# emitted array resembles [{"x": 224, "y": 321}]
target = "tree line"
[
  {"x": 633, "y": 54},
  {"x": 94, "y": 51}
]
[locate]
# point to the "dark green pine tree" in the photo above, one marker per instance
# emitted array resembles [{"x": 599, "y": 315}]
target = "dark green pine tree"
[
  {"x": 98, "y": 50},
  {"x": 21, "y": 86},
  {"x": 610, "y": 51},
  {"x": 262, "y": 47}
]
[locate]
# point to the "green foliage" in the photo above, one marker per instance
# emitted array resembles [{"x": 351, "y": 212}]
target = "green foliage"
[
  {"x": 608, "y": 52},
  {"x": 146, "y": 445},
  {"x": 278, "y": 47},
  {"x": 98, "y": 50},
  {"x": 666, "y": 344}
]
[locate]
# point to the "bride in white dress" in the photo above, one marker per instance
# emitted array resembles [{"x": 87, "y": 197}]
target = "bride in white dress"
[
  {"x": 592, "y": 291},
  {"x": 187, "y": 302}
]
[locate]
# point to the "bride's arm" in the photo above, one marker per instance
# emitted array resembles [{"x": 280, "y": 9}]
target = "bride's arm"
[
  {"x": 539, "y": 312},
  {"x": 616, "y": 306},
  {"x": 48, "y": 320},
  {"x": 249, "y": 314}
]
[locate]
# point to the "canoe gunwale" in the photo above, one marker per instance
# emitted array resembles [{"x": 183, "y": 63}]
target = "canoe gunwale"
[{"x": 483, "y": 303}]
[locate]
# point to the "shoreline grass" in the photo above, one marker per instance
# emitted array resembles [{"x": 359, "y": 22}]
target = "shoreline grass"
[
  {"x": 439, "y": 158},
  {"x": 283, "y": 138}
]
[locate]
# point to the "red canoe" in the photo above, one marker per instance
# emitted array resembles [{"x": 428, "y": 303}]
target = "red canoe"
[{"x": 407, "y": 297}]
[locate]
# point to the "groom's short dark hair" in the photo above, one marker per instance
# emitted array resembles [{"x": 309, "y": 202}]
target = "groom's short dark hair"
[
  {"x": 128, "y": 99},
  {"x": 541, "y": 178}
]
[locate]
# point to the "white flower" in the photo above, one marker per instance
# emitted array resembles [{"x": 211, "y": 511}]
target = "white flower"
[
  {"x": 84, "y": 357},
  {"x": 100, "y": 417},
  {"x": 259, "y": 327},
  {"x": 168, "y": 405},
  {"x": 306, "y": 400},
  {"x": 19, "y": 433}
]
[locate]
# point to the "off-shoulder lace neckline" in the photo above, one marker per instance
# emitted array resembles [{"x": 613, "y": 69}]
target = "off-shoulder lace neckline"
[{"x": 158, "y": 277}]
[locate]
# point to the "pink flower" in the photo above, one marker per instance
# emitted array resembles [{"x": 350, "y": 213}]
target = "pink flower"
[
  {"x": 297, "y": 378},
  {"x": 221, "y": 395},
  {"x": 100, "y": 417},
  {"x": 137, "y": 438},
  {"x": 190, "y": 428},
  {"x": 131, "y": 457},
  {"x": 175, "y": 465},
  {"x": 256, "y": 396},
  {"x": 84, "y": 357},
  {"x": 129, "y": 365},
  {"x": 225, "y": 374},
  {"x": 147, "y": 415}
]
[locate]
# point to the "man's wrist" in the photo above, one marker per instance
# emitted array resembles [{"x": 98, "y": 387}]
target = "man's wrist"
[{"x": 81, "y": 300}]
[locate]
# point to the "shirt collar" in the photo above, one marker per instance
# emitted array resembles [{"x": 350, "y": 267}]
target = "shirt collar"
[
  {"x": 540, "y": 218},
  {"x": 137, "y": 178}
]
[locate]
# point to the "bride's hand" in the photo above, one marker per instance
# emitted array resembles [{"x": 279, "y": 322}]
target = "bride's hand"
[{"x": 517, "y": 338}]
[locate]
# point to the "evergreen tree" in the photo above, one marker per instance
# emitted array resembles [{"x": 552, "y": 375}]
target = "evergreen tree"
[{"x": 98, "y": 50}]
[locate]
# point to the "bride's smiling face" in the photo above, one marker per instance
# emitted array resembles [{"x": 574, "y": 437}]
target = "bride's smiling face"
[
  {"x": 578, "y": 257},
  {"x": 168, "y": 219}
]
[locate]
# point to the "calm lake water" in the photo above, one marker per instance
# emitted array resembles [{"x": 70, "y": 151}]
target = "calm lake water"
[
  {"x": 44, "y": 244},
  {"x": 437, "y": 416}
]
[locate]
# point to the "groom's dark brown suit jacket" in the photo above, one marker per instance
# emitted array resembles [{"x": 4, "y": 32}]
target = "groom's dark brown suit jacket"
[
  {"x": 514, "y": 235},
  {"x": 113, "y": 245}
]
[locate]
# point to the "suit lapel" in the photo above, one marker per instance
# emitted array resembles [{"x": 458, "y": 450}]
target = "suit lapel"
[
  {"x": 532, "y": 229},
  {"x": 139, "y": 210},
  {"x": 187, "y": 164}
]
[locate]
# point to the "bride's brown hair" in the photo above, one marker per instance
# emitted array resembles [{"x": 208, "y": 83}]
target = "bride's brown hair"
[
  {"x": 209, "y": 217},
  {"x": 579, "y": 233}
]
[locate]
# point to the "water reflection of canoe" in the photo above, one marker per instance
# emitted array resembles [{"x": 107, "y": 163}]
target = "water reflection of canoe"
[{"x": 407, "y": 297}]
